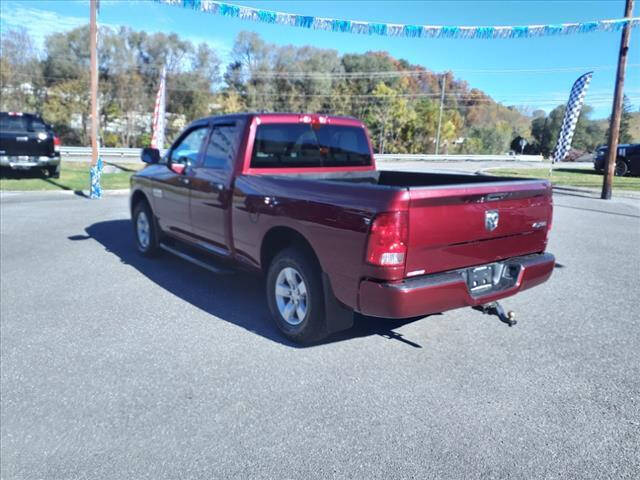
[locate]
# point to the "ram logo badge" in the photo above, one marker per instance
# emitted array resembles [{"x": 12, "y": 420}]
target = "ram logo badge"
[{"x": 491, "y": 218}]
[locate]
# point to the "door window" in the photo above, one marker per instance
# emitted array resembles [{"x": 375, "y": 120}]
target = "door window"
[
  {"x": 186, "y": 151},
  {"x": 221, "y": 147}
]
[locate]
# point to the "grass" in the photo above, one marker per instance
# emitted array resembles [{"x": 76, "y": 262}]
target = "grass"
[
  {"x": 73, "y": 176},
  {"x": 573, "y": 177}
]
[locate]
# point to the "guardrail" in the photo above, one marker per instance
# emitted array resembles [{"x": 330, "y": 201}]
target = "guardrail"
[
  {"x": 133, "y": 155},
  {"x": 401, "y": 157},
  {"x": 105, "y": 152}
]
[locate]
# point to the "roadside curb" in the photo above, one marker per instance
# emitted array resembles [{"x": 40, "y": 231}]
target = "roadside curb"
[{"x": 78, "y": 193}]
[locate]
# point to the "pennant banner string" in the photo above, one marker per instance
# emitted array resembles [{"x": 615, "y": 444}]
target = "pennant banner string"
[{"x": 401, "y": 30}]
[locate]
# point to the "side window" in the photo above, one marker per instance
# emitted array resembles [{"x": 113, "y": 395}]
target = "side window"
[
  {"x": 221, "y": 147},
  {"x": 186, "y": 152}
]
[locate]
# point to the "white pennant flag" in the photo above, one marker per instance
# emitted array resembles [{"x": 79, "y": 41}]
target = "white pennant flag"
[{"x": 157, "y": 140}]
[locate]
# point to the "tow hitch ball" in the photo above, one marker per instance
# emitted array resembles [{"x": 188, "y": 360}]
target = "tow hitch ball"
[{"x": 495, "y": 308}]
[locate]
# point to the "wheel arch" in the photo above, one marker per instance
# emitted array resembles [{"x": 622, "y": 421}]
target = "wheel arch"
[
  {"x": 136, "y": 197},
  {"x": 281, "y": 237}
]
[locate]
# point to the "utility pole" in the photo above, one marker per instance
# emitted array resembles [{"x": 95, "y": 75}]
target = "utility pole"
[
  {"x": 616, "y": 113},
  {"x": 95, "y": 191},
  {"x": 444, "y": 78}
]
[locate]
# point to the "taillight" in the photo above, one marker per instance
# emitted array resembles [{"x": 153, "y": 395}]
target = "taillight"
[
  {"x": 56, "y": 144},
  {"x": 388, "y": 237}
]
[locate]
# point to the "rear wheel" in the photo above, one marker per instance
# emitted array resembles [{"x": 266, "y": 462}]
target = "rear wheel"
[
  {"x": 621, "y": 168},
  {"x": 296, "y": 297},
  {"x": 54, "y": 172},
  {"x": 145, "y": 230}
]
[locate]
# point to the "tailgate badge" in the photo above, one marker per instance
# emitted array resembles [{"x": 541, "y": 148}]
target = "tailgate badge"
[{"x": 491, "y": 218}]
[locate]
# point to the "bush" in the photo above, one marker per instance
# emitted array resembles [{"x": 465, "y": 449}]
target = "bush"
[{"x": 110, "y": 139}]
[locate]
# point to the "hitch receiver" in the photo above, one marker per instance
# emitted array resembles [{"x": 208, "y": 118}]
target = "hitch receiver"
[{"x": 494, "y": 308}]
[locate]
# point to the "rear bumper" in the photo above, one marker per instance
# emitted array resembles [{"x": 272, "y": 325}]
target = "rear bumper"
[
  {"x": 25, "y": 161},
  {"x": 445, "y": 291}
]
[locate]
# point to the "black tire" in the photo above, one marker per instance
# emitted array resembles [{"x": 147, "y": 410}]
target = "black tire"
[
  {"x": 312, "y": 327},
  {"x": 621, "y": 168},
  {"x": 150, "y": 247},
  {"x": 54, "y": 172}
]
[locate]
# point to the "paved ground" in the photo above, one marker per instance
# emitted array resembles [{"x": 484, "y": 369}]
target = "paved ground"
[{"x": 114, "y": 366}]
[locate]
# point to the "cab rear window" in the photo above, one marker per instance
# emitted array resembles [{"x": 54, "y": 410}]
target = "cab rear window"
[
  {"x": 279, "y": 145},
  {"x": 21, "y": 123}
]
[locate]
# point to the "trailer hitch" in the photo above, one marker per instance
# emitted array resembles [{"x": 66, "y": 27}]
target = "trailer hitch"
[{"x": 494, "y": 308}]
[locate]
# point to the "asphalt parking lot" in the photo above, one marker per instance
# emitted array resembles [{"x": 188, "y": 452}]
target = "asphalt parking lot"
[{"x": 116, "y": 366}]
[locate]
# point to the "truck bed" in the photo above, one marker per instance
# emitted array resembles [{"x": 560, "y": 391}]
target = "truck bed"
[
  {"x": 447, "y": 212},
  {"x": 401, "y": 179}
]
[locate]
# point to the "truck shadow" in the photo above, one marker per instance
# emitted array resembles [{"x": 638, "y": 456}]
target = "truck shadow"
[{"x": 236, "y": 298}]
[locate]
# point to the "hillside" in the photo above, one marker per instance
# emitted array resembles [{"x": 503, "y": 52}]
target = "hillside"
[{"x": 399, "y": 101}]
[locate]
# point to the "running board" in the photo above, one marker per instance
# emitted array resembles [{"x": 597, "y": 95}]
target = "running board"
[{"x": 193, "y": 259}]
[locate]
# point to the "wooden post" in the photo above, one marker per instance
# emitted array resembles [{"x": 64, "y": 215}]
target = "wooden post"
[
  {"x": 93, "y": 47},
  {"x": 95, "y": 190},
  {"x": 616, "y": 113}
]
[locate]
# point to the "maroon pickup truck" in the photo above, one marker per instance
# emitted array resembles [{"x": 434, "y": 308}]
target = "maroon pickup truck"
[{"x": 298, "y": 197}]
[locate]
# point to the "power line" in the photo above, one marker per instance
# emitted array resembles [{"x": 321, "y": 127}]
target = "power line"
[
  {"x": 417, "y": 73},
  {"x": 463, "y": 95}
]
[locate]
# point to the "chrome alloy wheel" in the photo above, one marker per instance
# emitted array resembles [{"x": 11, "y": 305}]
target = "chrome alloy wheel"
[
  {"x": 142, "y": 228},
  {"x": 291, "y": 296}
]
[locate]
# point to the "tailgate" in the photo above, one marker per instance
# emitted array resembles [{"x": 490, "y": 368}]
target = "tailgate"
[
  {"x": 466, "y": 225},
  {"x": 26, "y": 143}
]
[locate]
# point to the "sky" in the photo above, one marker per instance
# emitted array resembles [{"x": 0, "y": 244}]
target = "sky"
[{"x": 536, "y": 72}]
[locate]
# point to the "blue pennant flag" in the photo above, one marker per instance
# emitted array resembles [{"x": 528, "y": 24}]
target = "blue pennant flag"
[{"x": 399, "y": 30}]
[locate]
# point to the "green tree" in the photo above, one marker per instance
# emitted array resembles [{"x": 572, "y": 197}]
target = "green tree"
[
  {"x": 624, "y": 134},
  {"x": 488, "y": 140},
  {"x": 389, "y": 119},
  {"x": 67, "y": 107}
]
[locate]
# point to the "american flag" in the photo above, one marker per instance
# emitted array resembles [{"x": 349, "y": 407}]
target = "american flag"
[
  {"x": 157, "y": 140},
  {"x": 571, "y": 114}
]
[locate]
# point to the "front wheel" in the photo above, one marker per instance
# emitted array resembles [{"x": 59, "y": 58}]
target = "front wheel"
[
  {"x": 296, "y": 297},
  {"x": 145, "y": 230},
  {"x": 621, "y": 168}
]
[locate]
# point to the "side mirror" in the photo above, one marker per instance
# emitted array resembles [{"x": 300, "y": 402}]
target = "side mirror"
[{"x": 150, "y": 155}]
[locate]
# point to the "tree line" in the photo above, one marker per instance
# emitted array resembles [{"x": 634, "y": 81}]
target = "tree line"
[{"x": 399, "y": 102}]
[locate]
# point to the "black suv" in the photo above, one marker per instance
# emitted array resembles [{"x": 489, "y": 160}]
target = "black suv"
[
  {"x": 627, "y": 160},
  {"x": 27, "y": 142}
]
